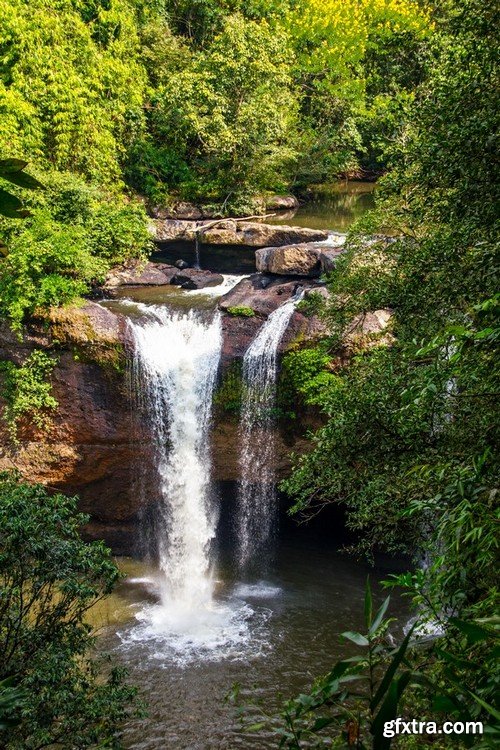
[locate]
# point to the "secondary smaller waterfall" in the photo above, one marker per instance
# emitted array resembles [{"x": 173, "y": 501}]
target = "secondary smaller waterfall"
[
  {"x": 174, "y": 372},
  {"x": 256, "y": 490}
]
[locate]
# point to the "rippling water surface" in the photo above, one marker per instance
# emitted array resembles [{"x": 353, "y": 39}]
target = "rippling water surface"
[{"x": 271, "y": 634}]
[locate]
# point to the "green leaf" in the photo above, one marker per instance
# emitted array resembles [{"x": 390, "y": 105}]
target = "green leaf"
[
  {"x": 368, "y": 603},
  {"x": 391, "y": 670},
  {"x": 321, "y": 723},
  {"x": 379, "y": 617},
  {"x": 491, "y": 710},
  {"x": 357, "y": 638},
  {"x": 388, "y": 711},
  {"x": 11, "y": 206},
  {"x": 474, "y": 633},
  {"x": 11, "y": 166},
  {"x": 445, "y": 704},
  {"x": 24, "y": 180}
]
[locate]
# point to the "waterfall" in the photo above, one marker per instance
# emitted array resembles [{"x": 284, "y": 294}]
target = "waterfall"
[
  {"x": 174, "y": 371},
  {"x": 257, "y": 498}
]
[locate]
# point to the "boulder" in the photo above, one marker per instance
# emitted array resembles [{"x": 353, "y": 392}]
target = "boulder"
[
  {"x": 322, "y": 291},
  {"x": 195, "y": 278},
  {"x": 140, "y": 274},
  {"x": 328, "y": 259},
  {"x": 231, "y": 232},
  {"x": 180, "y": 210},
  {"x": 291, "y": 260},
  {"x": 262, "y": 294},
  {"x": 281, "y": 203},
  {"x": 368, "y": 330},
  {"x": 239, "y": 331}
]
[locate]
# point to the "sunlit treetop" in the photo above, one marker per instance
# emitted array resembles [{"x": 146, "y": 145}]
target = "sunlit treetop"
[{"x": 332, "y": 36}]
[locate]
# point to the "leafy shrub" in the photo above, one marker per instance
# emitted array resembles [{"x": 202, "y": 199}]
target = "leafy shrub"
[
  {"x": 228, "y": 395},
  {"x": 244, "y": 312},
  {"x": 49, "y": 579},
  {"x": 304, "y": 374},
  {"x": 311, "y": 305},
  {"x": 74, "y": 235},
  {"x": 28, "y": 391}
]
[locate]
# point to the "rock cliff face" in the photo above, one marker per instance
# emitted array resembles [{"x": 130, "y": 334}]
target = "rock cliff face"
[
  {"x": 99, "y": 445},
  {"x": 94, "y": 437}
]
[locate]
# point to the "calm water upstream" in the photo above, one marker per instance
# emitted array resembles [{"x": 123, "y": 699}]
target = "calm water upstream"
[
  {"x": 333, "y": 207},
  {"x": 330, "y": 207}
]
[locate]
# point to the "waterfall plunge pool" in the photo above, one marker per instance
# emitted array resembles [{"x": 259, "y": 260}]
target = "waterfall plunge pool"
[{"x": 282, "y": 630}]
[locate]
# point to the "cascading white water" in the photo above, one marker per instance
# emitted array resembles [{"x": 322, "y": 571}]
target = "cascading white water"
[
  {"x": 174, "y": 373},
  {"x": 256, "y": 488}
]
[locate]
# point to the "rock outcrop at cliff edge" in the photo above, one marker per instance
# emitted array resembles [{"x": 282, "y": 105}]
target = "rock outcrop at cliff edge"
[
  {"x": 231, "y": 232},
  {"x": 304, "y": 259},
  {"x": 100, "y": 445},
  {"x": 262, "y": 295},
  {"x": 159, "y": 274}
]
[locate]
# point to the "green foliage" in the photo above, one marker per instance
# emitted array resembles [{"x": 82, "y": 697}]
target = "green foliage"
[
  {"x": 12, "y": 700},
  {"x": 71, "y": 84},
  {"x": 425, "y": 406},
  {"x": 12, "y": 171},
  {"x": 304, "y": 374},
  {"x": 229, "y": 394},
  {"x": 353, "y": 701},
  {"x": 242, "y": 312},
  {"x": 358, "y": 703},
  {"x": 205, "y": 100},
  {"x": 28, "y": 391},
  {"x": 223, "y": 121},
  {"x": 409, "y": 448},
  {"x": 49, "y": 580},
  {"x": 72, "y": 238},
  {"x": 311, "y": 305}
]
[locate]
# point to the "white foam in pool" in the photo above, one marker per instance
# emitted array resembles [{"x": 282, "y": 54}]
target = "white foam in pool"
[
  {"x": 230, "y": 281},
  {"x": 220, "y": 631},
  {"x": 260, "y": 590}
]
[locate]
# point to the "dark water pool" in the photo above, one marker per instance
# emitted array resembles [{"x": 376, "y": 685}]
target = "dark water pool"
[{"x": 275, "y": 631}]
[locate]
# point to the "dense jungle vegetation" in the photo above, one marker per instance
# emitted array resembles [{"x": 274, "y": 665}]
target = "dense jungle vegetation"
[
  {"x": 201, "y": 101},
  {"x": 218, "y": 103}
]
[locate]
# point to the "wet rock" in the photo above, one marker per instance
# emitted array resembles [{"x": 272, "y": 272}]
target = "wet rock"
[
  {"x": 320, "y": 290},
  {"x": 291, "y": 260},
  {"x": 181, "y": 264},
  {"x": 263, "y": 301},
  {"x": 231, "y": 232},
  {"x": 328, "y": 259},
  {"x": 195, "y": 278},
  {"x": 281, "y": 203},
  {"x": 239, "y": 332},
  {"x": 95, "y": 439},
  {"x": 140, "y": 274}
]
